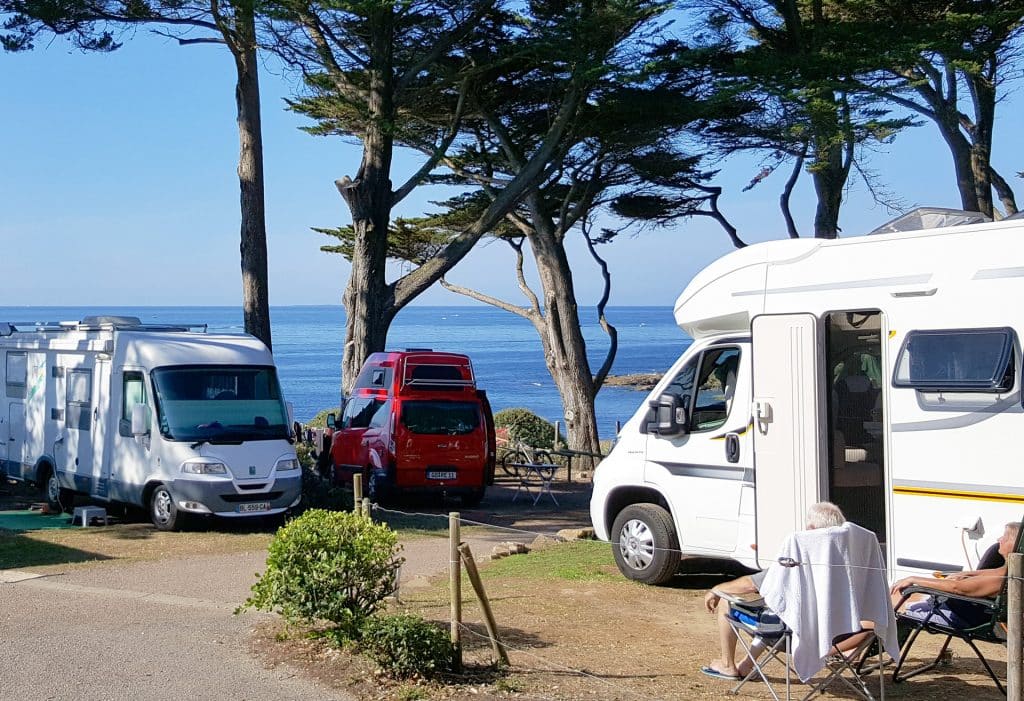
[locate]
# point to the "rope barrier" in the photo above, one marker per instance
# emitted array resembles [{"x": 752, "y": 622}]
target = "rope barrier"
[{"x": 554, "y": 536}]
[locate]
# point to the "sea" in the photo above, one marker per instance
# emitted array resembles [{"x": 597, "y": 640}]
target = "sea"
[{"x": 505, "y": 349}]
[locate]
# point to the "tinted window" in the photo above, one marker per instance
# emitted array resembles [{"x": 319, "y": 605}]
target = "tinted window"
[
  {"x": 441, "y": 418},
  {"x": 956, "y": 360},
  {"x": 359, "y": 411},
  {"x": 717, "y": 386}
]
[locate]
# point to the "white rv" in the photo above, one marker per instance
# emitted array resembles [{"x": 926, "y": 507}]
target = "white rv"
[
  {"x": 879, "y": 372},
  {"x": 175, "y": 420}
]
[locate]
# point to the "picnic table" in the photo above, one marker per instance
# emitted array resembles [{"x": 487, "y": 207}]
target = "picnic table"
[
  {"x": 533, "y": 474},
  {"x": 570, "y": 454}
]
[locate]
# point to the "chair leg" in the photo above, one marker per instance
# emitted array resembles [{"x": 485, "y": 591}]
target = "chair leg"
[
  {"x": 988, "y": 667},
  {"x": 897, "y": 677}
]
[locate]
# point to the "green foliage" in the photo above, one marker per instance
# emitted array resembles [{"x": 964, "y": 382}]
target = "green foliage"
[
  {"x": 575, "y": 561},
  {"x": 405, "y": 646},
  {"x": 320, "y": 493},
  {"x": 328, "y": 565},
  {"x": 523, "y": 425},
  {"x": 320, "y": 419}
]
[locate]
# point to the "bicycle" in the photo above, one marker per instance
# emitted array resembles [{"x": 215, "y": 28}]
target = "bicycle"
[{"x": 516, "y": 452}]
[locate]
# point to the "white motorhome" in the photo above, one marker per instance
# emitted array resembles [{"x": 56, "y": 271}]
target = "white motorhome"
[
  {"x": 165, "y": 417},
  {"x": 879, "y": 372}
]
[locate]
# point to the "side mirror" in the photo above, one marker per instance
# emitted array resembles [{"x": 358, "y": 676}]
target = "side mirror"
[
  {"x": 670, "y": 416},
  {"x": 140, "y": 420},
  {"x": 330, "y": 420}
]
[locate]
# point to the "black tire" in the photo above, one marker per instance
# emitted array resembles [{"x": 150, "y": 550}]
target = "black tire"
[
  {"x": 645, "y": 544},
  {"x": 377, "y": 488},
  {"x": 58, "y": 498},
  {"x": 163, "y": 512},
  {"x": 543, "y": 457},
  {"x": 510, "y": 458}
]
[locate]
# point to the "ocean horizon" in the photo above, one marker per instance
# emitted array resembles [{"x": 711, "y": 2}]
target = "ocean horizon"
[{"x": 505, "y": 349}]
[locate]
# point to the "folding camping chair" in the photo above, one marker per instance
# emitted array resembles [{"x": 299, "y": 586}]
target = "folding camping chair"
[
  {"x": 769, "y": 629},
  {"x": 941, "y": 619}
]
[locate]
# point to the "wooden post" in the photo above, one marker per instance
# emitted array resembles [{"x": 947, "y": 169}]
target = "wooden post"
[
  {"x": 357, "y": 492},
  {"x": 1015, "y": 609},
  {"x": 557, "y": 426},
  {"x": 366, "y": 507},
  {"x": 455, "y": 586},
  {"x": 485, "y": 603}
]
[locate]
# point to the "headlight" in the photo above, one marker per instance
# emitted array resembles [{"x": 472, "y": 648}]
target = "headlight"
[
  {"x": 204, "y": 468},
  {"x": 287, "y": 464}
]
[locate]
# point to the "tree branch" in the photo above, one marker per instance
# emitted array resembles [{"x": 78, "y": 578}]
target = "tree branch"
[
  {"x": 486, "y": 299},
  {"x": 787, "y": 192},
  {"x": 613, "y": 333}
]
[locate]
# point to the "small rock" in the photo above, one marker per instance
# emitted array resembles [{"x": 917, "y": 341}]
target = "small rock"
[{"x": 576, "y": 534}]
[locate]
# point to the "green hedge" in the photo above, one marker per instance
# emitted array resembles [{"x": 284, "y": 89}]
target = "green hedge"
[
  {"x": 404, "y": 645},
  {"x": 523, "y": 425},
  {"x": 328, "y": 565}
]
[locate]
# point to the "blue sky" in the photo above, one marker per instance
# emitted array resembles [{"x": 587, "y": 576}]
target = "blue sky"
[{"x": 119, "y": 188}]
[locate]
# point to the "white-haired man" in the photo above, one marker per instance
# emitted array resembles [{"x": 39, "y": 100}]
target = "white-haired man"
[{"x": 824, "y": 514}]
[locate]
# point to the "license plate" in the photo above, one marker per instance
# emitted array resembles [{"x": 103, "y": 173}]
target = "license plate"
[
  {"x": 441, "y": 475},
  {"x": 253, "y": 507}
]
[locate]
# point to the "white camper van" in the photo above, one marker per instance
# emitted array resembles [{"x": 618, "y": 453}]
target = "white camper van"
[
  {"x": 879, "y": 372},
  {"x": 166, "y": 417}
]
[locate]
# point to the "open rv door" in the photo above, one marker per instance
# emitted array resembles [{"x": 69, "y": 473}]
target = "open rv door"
[{"x": 787, "y": 427}]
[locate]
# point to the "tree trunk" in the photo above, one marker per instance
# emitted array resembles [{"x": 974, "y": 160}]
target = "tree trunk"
[
  {"x": 983, "y": 95},
  {"x": 253, "y": 246},
  {"x": 565, "y": 351},
  {"x": 828, "y": 171},
  {"x": 368, "y": 299}
]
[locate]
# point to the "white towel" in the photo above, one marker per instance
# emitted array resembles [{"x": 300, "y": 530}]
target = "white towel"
[{"x": 839, "y": 582}]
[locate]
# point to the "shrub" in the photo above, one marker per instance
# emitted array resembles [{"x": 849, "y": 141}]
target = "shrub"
[
  {"x": 328, "y": 565},
  {"x": 404, "y": 645},
  {"x": 319, "y": 493},
  {"x": 321, "y": 417},
  {"x": 523, "y": 425}
]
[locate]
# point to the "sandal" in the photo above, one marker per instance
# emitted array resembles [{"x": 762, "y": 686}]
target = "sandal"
[{"x": 712, "y": 672}]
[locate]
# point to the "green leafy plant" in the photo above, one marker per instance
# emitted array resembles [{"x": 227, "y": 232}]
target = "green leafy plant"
[
  {"x": 523, "y": 425},
  {"x": 318, "y": 493},
  {"x": 320, "y": 420},
  {"x": 405, "y": 645},
  {"x": 328, "y": 565}
]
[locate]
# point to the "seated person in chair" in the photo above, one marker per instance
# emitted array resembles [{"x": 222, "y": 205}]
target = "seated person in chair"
[
  {"x": 981, "y": 583},
  {"x": 821, "y": 515}
]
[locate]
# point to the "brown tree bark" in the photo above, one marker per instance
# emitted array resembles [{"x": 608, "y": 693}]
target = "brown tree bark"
[{"x": 253, "y": 235}]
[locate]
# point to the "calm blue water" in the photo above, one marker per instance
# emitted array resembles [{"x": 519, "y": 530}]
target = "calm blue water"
[{"x": 505, "y": 349}]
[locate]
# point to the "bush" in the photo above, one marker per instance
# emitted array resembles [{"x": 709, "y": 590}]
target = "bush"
[
  {"x": 328, "y": 565},
  {"x": 404, "y": 645},
  {"x": 523, "y": 425},
  {"x": 320, "y": 493},
  {"x": 321, "y": 417}
]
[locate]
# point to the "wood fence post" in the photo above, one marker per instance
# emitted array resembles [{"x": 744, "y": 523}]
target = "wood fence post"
[
  {"x": 455, "y": 586},
  {"x": 357, "y": 492},
  {"x": 485, "y": 603},
  {"x": 366, "y": 507},
  {"x": 558, "y": 425},
  {"x": 1015, "y": 593}
]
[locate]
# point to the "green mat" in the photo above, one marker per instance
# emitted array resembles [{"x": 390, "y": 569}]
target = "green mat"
[{"x": 32, "y": 520}]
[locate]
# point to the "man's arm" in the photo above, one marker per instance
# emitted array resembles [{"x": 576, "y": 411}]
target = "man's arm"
[
  {"x": 982, "y": 584},
  {"x": 740, "y": 585}
]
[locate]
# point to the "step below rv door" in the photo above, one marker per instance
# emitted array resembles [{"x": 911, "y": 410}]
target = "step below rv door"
[{"x": 786, "y": 352}]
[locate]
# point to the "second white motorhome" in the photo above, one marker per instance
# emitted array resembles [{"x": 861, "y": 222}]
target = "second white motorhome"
[
  {"x": 880, "y": 372},
  {"x": 158, "y": 416}
]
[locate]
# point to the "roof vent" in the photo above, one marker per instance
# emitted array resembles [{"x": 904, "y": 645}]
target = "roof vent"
[
  {"x": 111, "y": 320},
  {"x": 930, "y": 218}
]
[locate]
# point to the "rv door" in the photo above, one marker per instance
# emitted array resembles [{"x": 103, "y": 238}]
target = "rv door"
[{"x": 787, "y": 456}]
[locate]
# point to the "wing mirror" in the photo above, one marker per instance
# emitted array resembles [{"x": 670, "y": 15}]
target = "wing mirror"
[
  {"x": 140, "y": 420},
  {"x": 331, "y": 418},
  {"x": 670, "y": 416}
]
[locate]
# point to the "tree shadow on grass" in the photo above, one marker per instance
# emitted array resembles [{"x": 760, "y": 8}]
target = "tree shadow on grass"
[{"x": 18, "y": 550}]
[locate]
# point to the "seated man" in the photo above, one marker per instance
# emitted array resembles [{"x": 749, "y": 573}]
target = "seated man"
[
  {"x": 983, "y": 583},
  {"x": 821, "y": 515}
]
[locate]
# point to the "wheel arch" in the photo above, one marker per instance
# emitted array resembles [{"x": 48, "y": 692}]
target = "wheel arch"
[
  {"x": 147, "y": 491},
  {"x": 43, "y": 464},
  {"x": 624, "y": 496}
]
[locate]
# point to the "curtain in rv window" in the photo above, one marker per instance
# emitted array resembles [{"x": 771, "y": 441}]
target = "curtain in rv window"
[
  {"x": 16, "y": 373},
  {"x": 957, "y": 360}
]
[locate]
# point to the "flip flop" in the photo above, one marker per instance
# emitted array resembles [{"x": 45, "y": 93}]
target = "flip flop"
[{"x": 712, "y": 672}]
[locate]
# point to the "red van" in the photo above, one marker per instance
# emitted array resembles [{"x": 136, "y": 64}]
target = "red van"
[{"x": 416, "y": 422}]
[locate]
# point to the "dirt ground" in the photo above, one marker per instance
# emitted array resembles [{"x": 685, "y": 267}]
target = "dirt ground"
[{"x": 606, "y": 640}]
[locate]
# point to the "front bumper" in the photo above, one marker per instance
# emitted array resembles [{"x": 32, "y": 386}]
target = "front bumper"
[{"x": 224, "y": 497}]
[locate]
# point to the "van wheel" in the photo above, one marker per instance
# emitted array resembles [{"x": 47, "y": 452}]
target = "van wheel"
[
  {"x": 376, "y": 489},
  {"x": 162, "y": 510},
  {"x": 57, "y": 497},
  {"x": 645, "y": 544}
]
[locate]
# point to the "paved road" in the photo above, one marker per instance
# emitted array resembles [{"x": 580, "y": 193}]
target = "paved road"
[{"x": 161, "y": 629}]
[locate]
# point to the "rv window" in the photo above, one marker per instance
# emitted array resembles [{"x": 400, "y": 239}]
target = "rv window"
[
  {"x": 441, "y": 418},
  {"x": 359, "y": 411},
  {"x": 717, "y": 385},
  {"x": 957, "y": 360},
  {"x": 80, "y": 387},
  {"x": 133, "y": 392},
  {"x": 17, "y": 369},
  {"x": 374, "y": 376},
  {"x": 380, "y": 416}
]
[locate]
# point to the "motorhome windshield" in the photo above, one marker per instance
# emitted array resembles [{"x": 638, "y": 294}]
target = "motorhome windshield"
[
  {"x": 219, "y": 404},
  {"x": 441, "y": 418}
]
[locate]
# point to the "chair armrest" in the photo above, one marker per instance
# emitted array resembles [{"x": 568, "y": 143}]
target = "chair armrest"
[{"x": 945, "y": 596}]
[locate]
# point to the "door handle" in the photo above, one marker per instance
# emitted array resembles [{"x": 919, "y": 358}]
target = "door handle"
[{"x": 732, "y": 447}]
